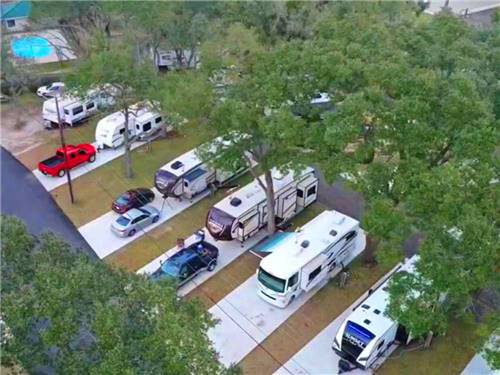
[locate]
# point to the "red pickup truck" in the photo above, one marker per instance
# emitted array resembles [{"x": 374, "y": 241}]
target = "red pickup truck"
[{"x": 76, "y": 155}]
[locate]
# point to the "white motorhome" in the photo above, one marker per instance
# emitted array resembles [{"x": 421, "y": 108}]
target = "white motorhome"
[
  {"x": 243, "y": 213},
  {"x": 144, "y": 121},
  {"x": 368, "y": 332},
  {"x": 306, "y": 259},
  {"x": 188, "y": 175},
  {"x": 72, "y": 109}
]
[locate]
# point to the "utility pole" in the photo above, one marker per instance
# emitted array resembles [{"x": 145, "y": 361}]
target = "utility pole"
[{"x": 63, "y": 145}]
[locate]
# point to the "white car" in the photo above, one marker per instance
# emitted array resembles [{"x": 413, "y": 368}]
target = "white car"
[{"x": 49, "y": 91}]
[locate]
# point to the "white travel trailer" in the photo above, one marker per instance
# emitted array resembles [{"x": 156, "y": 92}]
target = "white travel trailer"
[
  {"x": 144, "y": 121},
  {"x": 73, "y": 110},
  {"x": 243, "y": 213},
  {"x": 188, "y": 175},
  {"x": 305, "y": 259},
  {"x": 368, "y": 332},
  {"x": 168, "y": 60}
]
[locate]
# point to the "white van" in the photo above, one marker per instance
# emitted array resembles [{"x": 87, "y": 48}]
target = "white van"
[
  {"x": 143, "y": 122},
  {"x": 306, "y": 259}
]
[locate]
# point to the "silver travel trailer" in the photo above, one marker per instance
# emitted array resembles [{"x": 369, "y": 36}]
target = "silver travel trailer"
[
  {"x": 187, "y": 176},
  {"x": 308, "y": 258},
  {"x": 144, "y": 121},
  {"x": 244, "y": 212},
  {"x": 368, "y": 332}
]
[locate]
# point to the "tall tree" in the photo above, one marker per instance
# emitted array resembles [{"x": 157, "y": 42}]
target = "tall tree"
[
  {"x": 69, "y": 314},
  {"x": 255, "y": 118},
  {"x": 116, "y": 71}
]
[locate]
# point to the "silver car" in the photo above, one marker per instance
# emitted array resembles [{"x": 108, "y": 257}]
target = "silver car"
[{"x": 135, "y": 219}]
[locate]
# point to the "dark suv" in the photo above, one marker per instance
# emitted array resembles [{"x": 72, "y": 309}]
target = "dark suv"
[
  {"x": 188, "y": 262},
  {"x": 134, "y": 198}
]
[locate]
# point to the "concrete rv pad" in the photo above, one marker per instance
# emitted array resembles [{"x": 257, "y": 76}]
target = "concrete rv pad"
[
  {"x": 247, "y": 319},
  {"x": 102, "y": 157},
  {"x": 318, "y": 357},
  {"x": 228, "y": 252},
  {"x": 104, "y": 242}
]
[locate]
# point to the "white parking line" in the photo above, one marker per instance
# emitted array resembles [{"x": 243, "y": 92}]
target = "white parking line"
[
  {"x": 228, "y": 252},
  {"x": 318, "y": 357},
  {"x": 246, "y": 319},
  {"x": 102, "y": 157},
  {"x": 104, "y": 242}
]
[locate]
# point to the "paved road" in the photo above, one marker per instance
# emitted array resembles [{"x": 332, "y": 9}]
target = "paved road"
[{"x": 24, "y": 197}]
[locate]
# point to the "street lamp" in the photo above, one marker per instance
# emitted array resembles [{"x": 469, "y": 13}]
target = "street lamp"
[{"x": 63, "y": 145}]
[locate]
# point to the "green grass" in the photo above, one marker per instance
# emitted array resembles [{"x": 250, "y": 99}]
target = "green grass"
[
  {"x": 448, "y": 354},
  {"x": 95, "y": 190}
]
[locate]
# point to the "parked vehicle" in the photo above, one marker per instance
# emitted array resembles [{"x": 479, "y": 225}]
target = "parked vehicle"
[
  {"x": 135, "y": 219},
  {"x": 318, "y": 106},
  {"x": 243, "y": 213},
  {"x": 188, "y": 262},
  {"x": 187, "y": 176},
  {"x": 144, "y": 121},
  {"x": 73, "y": 110},
  {"x": 133, "y": 198},
  {"x": 315, "y": 253},
  {"x": 75, "y": 155},
  {"x": 49, "y": 91},
  {"x": 368, "y": 332}
]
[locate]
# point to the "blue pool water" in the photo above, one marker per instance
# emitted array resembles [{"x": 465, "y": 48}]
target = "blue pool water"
[
  {"x": 269, "y": 245},
  {"x": 31, "y": 47}
]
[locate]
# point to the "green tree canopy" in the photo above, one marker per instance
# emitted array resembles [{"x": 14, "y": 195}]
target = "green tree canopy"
[{"x": 71, "y": 314}]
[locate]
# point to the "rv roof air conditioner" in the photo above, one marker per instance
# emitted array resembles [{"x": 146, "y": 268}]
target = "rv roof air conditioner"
[
  {"x": 366, "y": 321},
  {"x": 333, "y": 233},
  {"x": 304, "y": 244},
  {"x": 235, "y": 202},
  {"x": 177, "y": 164}
]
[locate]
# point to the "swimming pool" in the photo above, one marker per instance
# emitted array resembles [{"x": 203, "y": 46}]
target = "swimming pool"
[{"x": 31, "y": 47}]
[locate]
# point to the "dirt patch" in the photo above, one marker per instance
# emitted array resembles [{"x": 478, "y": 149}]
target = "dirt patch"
[
  {"x": 309, "y": 320},
  {"x": 22, "y": 125}
]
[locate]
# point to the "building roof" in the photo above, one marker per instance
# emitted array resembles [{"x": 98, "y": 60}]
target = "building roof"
[
  {"x": 370, "y": 314},
  {"x": 321, "y": 232},
  {"x": 15, "y": 9},
  {"x": 252, "y": 194}
]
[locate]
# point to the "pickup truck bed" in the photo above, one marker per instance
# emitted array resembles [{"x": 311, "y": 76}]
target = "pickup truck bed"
[{"x": 52, "y": 161}]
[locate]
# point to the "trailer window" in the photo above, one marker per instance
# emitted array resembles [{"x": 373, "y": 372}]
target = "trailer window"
[
  {"x": 271, "y": 282},
  {"x": 122, "y": 131},
  {"x": 90, "y": 105},
  {"x": 311, "y": 191},
  {"x": 146, "y": 126},
  {"x": 314, "y": 273},
  {"x": 380, "y": 345},
  {"x": 158, "y": 120},
  {"x": 300, "y": 193},
  {"x": 78, "y": 110}
]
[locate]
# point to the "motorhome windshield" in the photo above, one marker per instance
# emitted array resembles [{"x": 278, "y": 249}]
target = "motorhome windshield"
[
  {"x": 355, "y": 339},
  {"x": 271, "y": 282},
  {"x": 165, "y": 180}
]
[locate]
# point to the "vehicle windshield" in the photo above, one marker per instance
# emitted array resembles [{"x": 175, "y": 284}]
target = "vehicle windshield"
[
  {"x": 122, "y": 220},
  {"x": 271, "y": 282},
  {"x": 123, "y": 199},
  {"x": 165, "y": 180},
  {"x": 171, "y": 267}
]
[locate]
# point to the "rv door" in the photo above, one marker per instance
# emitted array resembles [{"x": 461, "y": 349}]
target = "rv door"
[
  {"x": 287, "y": 202},
  {"x": 307, "y": 192},
  {"x": 247, "y": 225}
]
